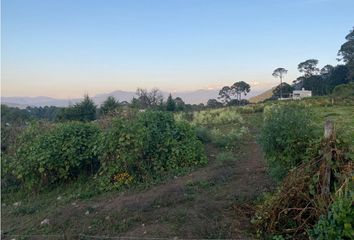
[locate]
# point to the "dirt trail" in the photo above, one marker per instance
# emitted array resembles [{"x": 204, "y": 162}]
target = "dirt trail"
[{"x": 210, "y": 202}]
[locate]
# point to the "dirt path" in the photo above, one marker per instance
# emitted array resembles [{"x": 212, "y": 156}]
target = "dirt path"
[
  {"x": 211, "y": 202},
  {"x": 208, "y": 203}
]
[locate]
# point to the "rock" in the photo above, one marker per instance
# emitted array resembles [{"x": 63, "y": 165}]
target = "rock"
[
  {"x": 45, "y": 222},
  {"x": 87, "y": 212},
  {"x": 17, "y": 204},
  {"x": 59, "y": 198}
]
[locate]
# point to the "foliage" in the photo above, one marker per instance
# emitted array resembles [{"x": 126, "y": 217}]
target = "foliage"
[
  {"x": 279, "y": 73},
  {"x": 225, "y": 94},
  {"x": 213, "y": 103},
  {"x": 308, "y": 67},
  {"x": 287, "y": 132},
  {"x": 237, "y": 102},
  {"x": 237, "y": 89},
  {"x": 217, "y": 117},
  {"x": 13, "y": 115},
  {"x": 180, "y": 105},
  {"x": 83, "y": 111},
  {"x": 283, "y": 90},
  {"x": 346, "y": 52},
  {"x": 148, "y": 99},
  {"x": 146, "y": 148},
  {"x": 109, "y": 105},
  {"x": 170, "y": 104},
  {"x": 227, "y": 140},
  {"x": 338, "y": 223},
  {"x": 53, "y": 155},
  {"x": 203, "y": 134},
  {"x": 300, "y": 200},
  {"x": 344, "y": 90}
]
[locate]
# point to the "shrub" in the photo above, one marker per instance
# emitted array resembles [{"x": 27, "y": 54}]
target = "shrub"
[
  {"x": 143, "y": 149},
  {"x": 344, "y": 90},
  {"x": 203, "y": 134},
  {"x": 339, "y": 222},
  {"x": 287, "y": 133},
  {"x": 54, "y": 155}
]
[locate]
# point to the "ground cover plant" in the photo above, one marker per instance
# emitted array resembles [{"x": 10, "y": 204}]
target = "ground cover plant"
[{"x": 299, "y": 208}]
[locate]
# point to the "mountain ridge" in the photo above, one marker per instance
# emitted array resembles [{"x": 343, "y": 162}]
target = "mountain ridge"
[{"x": 191, "y": 97}]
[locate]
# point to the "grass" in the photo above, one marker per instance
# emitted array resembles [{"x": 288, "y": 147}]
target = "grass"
[
  {"x": 225, "y": 156},
  {"x": 343, "y": 117},
  {"x": 34, "y": 208}
]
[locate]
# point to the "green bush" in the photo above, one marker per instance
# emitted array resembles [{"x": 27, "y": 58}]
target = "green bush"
[
  {"x": 339, "y": 222},
  {"x": 54, "y": 155},
  {"x": 203, "y": 134},
  {"x": 287, "y": 134},
  {"x": 344, "y": 90},
  {"x": 145, "y": 148}
]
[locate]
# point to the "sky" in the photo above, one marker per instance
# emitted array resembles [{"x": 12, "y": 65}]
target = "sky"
[{"x": 66, "y": 48}]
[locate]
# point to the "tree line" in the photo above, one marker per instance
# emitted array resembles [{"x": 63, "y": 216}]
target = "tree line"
[
  {"x": 321, "y": 81},
  {"x": 86, "y": 110}
]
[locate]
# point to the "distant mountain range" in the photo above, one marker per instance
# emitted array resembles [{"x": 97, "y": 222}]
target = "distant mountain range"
[{"x": 192, "y": 97}]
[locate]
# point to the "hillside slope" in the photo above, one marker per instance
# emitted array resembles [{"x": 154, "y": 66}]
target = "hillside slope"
[{"x": 263, "y": 96}]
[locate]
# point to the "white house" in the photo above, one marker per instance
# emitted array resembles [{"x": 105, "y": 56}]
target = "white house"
[{"x": 299, "y": 94}]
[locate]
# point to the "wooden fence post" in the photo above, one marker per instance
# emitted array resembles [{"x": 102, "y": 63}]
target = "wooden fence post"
[{"x": 329, "y": 140}]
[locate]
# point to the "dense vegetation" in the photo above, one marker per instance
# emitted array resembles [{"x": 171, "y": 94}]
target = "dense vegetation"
[
  {"x": 287, "y": 133},
  {"x": 296, "y": 158},
  {"x": 119, "y": 151},
  {"x": 142, "y": 149}
]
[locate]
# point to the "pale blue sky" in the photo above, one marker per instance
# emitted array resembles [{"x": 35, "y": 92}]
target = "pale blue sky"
[{"x": 64, "y": 48}]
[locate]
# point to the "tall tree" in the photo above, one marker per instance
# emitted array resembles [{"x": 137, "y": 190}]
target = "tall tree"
[
  {"x": 180, "y": 105},
  {"x": 109, "y": 105},
  {"x": 150, "y": 99},
  {"x": 224, "y": 94},
  {"x": 239, "y": 88},
  {"x": 309, "y": 67},
  {"x": 82, "y": 111},
  {"x": 346, "y": 53},
  {"x": 279, "y": 73},
  {"x": 170, "y": 104}
]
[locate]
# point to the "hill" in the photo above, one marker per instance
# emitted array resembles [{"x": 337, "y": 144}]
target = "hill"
[{"x": 263, "y": 96}]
